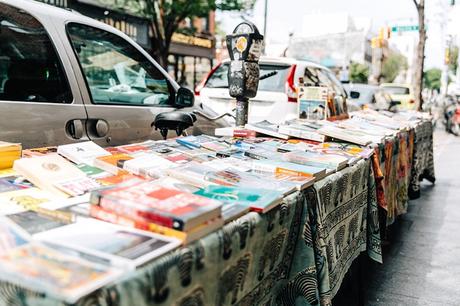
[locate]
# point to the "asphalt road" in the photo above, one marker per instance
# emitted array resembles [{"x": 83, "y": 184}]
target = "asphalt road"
[{"x": 422, "y": 262}]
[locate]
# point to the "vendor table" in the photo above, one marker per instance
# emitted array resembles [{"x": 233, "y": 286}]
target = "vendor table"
[
  {"x": 298, "y": 251},
  {"x": 296, "y": 254}
]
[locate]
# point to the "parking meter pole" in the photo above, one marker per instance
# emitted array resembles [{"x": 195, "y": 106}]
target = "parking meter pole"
[{"x": 242, "y": 112}]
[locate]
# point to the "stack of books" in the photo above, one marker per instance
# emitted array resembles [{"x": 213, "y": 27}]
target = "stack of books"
[{"x": 9, "y": 152}]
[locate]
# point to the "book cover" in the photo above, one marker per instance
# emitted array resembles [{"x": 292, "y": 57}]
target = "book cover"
[
  {"x": 312, "y": 103},
  {"x": 300, "y": 131},
  {"x": 38, "y": 151},
  {"x": 352, "y": 136},
  {"x": 33, "y": 222},
  {"x": 282, "y": 167},
  {"x": 148, "y": 165},
  {"x": 10, "y": 236},
  {"x": 24, "y": 199},
  {"x": 165, "y": 206},
  {"x": 123, "y": 247},
  {"x": 112, "y": 163},
  {"x": 317, "y": 159},
  {"x": 47, "y": 171},
  {"x": 82, "y": 153},
  {"x": 266, "y": 128},
  {"x": 46, "y": 270},
  {"x": 234, "y": 132},
  {"x": 259, "y": 200}
]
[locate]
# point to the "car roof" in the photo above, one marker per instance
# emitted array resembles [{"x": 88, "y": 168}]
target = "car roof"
[
  {"x": 395, "y": 85},
  {"x": 46, "y": 11},
  {"x": 285, "y": 60}
]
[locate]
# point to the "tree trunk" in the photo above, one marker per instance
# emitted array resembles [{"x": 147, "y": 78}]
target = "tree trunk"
[{"x": 420, "y": 58}]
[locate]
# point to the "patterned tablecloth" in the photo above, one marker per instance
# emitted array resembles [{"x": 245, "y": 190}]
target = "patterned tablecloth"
[{"x": 297, "y": 254}]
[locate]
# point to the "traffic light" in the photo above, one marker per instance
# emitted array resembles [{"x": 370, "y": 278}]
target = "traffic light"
[{"x": 447, "y": 56}]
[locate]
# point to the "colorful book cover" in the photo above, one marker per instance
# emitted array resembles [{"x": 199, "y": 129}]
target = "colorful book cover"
[
  {"x": 312, "y": 102},
  {"x": 169, "y": 207},
  {"x": 24, "y": 199},
  {"x": 123, "y": 247},
  {"x": 260, "y": 200},
  {"x": 112, "y": 163},
  {"x": 33, "y": 222},
  {"x": 46, "y": 270},
  {"x": 10, "y": 236}
]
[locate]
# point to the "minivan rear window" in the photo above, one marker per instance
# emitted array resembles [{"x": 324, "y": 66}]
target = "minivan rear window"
[{"x": 275, "y": 80}]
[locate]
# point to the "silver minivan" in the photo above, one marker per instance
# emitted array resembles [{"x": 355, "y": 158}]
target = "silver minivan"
[{"x": 68, "y": 78}]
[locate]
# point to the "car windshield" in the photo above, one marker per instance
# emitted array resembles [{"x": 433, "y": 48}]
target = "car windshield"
[
  {"x": 396, "y": 90},
  {"x": 275, "y": 77},
  {"x": 116, "y": 72}
]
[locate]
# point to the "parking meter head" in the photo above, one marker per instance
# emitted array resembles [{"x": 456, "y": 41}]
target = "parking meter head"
[{"x": 245, "y": 43}]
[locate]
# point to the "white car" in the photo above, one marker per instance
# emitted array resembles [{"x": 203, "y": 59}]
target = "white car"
[{"x": 276, "y": 100}]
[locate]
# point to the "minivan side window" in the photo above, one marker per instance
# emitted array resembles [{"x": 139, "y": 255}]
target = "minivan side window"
[
  {"x": 115, "y": 71},
  {"x": 30, "y": 69}
]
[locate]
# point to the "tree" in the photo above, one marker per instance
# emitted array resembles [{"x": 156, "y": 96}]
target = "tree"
[
  {"x": 166, "y": 17},
  {"x": 453, "y": 59},
  {"x": 432, "y": 78},
  {"x": 392, "y": 66},
  {"x": 420, "y": 57},
  {"x": 359, "y": 73}
]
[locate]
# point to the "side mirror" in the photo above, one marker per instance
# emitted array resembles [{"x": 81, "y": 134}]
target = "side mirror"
[
  {"x": 175, "y": 121},
  {"x": 354, "y": 94},
  {"x": 184, "y": 98}
]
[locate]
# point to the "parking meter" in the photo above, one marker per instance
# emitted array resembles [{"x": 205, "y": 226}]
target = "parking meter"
[{"x": 245, "y": 47}]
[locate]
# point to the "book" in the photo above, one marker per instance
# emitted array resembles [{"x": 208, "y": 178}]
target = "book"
[
  {"x": 121, "y": 177},
  {"x": 123, "y": 247},
  {"x": 266, "y": 128},
  {"x": 316, "y": 159},
  {"x": 234, "y": 132},
  {"x": 312, "y": 102},
  {"x": 33, "y": 222},
  {"x": 10, "y": 236},
  {"x": 301, "y": 131},
  {"x": 38, "y": 151},
  {"x": 144, "y": 224},
  {"x": 24, "y": 199},
  {"x": 259, "y": 200},
  {"x": 112, "y": 163},
  {"x": 282, "y": 167},
  {"x": 43, "y": 269},
  {"x": 165, "y": 206},
  {"x": 9, "y": 152},
  {"x": 196, "y": 141},
  {"x": 300, "y": 182},
  {"x": 352, "y": 136},
  {"x": 82, "y": 153},
  {"x": 13, "y": 182},
  {"x": 134, "y": 148},
  {"x": 93, "y": 172},
  {"x": 147, "y": 165},
  {"x": 53, "y": 173}
]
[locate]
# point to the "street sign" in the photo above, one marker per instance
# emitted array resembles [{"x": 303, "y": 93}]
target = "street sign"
[{"x": 406, "y": 28}]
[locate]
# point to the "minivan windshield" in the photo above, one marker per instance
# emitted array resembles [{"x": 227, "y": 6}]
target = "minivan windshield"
[
  {"x": 275, "y": 77},
  {"x": 116, "y": 72}
]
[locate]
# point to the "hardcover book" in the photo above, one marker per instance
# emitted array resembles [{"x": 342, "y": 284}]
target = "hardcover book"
[{"x": 164, "y": 206}]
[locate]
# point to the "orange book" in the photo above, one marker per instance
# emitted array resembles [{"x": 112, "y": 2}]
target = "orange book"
[{"x": 112, "y": 163}]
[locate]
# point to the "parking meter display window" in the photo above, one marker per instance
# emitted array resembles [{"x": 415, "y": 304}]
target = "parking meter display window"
[
  {"x": 30, "y": 69},
  {"x": 116, "y": 72},
  {"x": 274, "y": 80}
]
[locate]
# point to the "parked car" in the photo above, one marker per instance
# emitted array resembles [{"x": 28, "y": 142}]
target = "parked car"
[
  {"x": 363, "y": 95},
  {"x": 401, "y": 93},
  {"x": 276, "y": 100},
  {"x": 68, "y": 78}
]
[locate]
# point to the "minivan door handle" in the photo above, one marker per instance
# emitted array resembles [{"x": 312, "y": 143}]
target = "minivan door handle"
[
  {"x": 102, "y": 128},
  {"x": 74, "y": 128}
]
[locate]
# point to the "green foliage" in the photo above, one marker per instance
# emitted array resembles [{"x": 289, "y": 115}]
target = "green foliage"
[
  {"x": 392, "y": 66},
  {"x": 359, "y": 73},
  {"x": 432, "y": 78}
]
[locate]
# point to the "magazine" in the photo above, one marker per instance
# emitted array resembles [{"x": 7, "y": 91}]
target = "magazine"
[
  {"x": 312, "y": 103},
  {"x": 83, "y": 152}
]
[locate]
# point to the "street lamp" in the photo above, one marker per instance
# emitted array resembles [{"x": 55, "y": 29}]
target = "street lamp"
[{"x": 245, "y": 46}]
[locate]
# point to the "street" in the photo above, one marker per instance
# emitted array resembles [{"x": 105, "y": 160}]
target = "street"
[{"x": 421, "y": 265}]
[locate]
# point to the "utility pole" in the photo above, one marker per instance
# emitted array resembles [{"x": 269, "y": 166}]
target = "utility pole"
[
  {"x": 265, "y": 23},
  {"x": 420, "y": 58}
]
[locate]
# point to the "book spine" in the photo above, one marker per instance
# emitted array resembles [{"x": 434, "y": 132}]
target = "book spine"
[
  {"x": 131, "y": 212},
  {"x": 112, "y": 217},
  {"x": 244, "y": 133}
]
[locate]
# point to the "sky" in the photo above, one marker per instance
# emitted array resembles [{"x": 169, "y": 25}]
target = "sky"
[{"x": 285, "y": 16}]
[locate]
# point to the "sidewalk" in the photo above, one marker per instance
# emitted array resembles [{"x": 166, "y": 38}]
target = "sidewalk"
[{"x": 422, "y": 264}]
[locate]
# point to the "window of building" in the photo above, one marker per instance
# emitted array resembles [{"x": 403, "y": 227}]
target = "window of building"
[
  {"x": 30, "y": 69},
  {"x": 115, "y": 71}
]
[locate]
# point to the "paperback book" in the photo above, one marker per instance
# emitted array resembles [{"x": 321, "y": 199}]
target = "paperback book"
[
  {"x": 112, "y": 163},
  {"x": 266, "y": 128},
  {"x": 312, "y": 102},
  {"x": 83, "y": 152}
]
